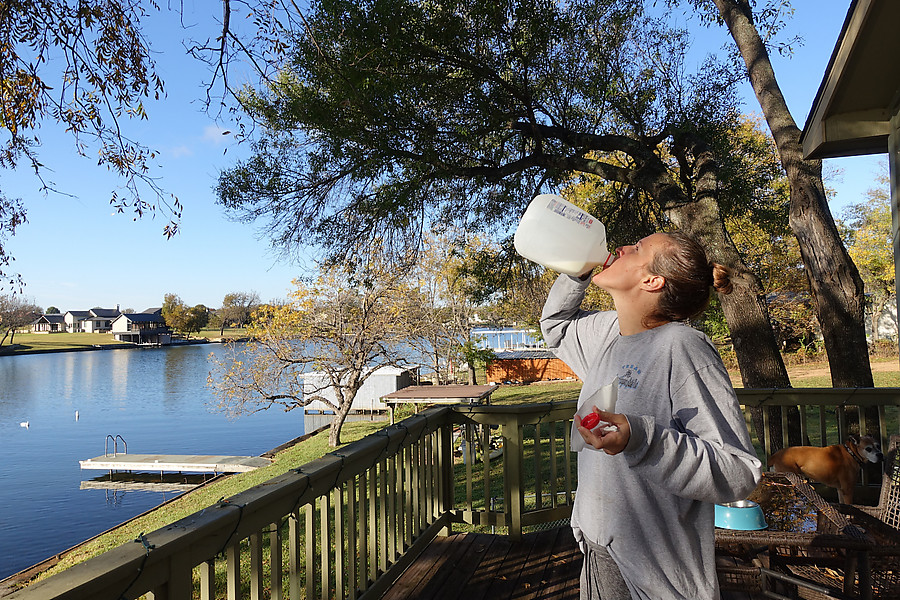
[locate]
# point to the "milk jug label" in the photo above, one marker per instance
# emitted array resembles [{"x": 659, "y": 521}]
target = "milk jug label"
[{"x": 573, "y": 214}]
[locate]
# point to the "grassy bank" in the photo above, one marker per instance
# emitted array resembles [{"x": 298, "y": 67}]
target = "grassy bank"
[
  {"x": 31, "y": 343},
  {"x": 26, "y": 343}
]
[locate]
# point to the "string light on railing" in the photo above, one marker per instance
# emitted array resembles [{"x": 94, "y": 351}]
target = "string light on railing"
[
  {"x": 142, "y": 540},
  {"x": 337, "y": 476},
  {"x": 299, "y": 471},
  {"x": 223, "y": 503}
]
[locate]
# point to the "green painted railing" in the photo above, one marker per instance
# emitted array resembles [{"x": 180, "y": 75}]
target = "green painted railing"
[{"x": 346, "y": 525}]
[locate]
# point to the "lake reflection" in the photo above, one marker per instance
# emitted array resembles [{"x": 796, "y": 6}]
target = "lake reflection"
[{"x": 156, "y": 399}]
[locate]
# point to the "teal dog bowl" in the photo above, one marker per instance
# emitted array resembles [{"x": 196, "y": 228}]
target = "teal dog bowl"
[{"x": 745, "y": 515}]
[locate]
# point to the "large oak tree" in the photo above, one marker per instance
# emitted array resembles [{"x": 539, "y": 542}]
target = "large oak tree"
[{"x": 384, "y": 118}]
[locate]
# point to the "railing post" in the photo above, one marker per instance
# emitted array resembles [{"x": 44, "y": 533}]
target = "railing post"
[
  {"x": 767, "y": 437},
  {"x": 208, "y": 579},
  {"x": 513, "y": 477},
  {"x": 233, "y": 571},
  {"x": 445, "y": 472},
  {"x": 275, "y": 555},
  {"x": 256, "y": 566},
  {"x": 295, "y": 569}
]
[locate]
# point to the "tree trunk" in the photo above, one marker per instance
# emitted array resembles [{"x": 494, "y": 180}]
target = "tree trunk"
[
  {"x": 745, "y": 309},
  {"x": 344, "y": 393},
  {"x": 334, "y": 431},
  {"x": 837, "y": 288}
]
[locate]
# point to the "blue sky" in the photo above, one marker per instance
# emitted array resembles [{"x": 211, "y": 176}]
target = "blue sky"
[{"x": 75, "y": 254}]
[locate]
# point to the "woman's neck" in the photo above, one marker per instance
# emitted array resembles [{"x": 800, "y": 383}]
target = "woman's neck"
[{"x": 635, "y": 315}]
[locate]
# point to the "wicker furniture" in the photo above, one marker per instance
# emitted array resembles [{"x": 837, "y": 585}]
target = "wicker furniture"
[
  {"x": 754, "y": 560},
  {"x": 854, "y": 551},
  {"x": 881, "y": 525},
  {"x": 832, "y": 560}
]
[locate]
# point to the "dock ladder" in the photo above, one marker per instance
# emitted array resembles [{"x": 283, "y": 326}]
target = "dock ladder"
[{"x": 115, "y": 441}]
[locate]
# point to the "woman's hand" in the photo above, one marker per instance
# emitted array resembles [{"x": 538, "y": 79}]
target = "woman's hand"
[{"x": 611, "y": 442}]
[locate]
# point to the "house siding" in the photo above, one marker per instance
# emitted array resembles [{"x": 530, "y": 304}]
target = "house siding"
[
  {"x": 384, "y": 381},
  {"x": 528, "y": 370}
]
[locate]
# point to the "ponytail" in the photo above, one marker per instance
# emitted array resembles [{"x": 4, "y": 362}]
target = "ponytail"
[{"x": 721, "y": 278}]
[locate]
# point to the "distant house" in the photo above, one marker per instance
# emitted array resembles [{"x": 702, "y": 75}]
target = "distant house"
[
  {"x": 75, "y": 320},
  {"x": 96, "y": 320},
  {"x": 49, "y": 324},
  {"x": 146, "y": 327},
  {"x": 100, "y": 320}
]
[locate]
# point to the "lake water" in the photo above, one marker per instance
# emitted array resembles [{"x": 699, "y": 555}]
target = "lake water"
[{"x": 155, "y": 399}]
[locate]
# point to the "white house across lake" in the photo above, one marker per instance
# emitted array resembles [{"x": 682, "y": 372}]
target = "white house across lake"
[{"x": 147, "y": 327}]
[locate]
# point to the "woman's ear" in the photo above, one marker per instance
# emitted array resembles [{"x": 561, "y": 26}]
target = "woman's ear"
[{"x": 653, "y": 283}]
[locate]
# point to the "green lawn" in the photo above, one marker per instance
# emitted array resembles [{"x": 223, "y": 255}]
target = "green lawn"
[
  {"x": 63, "y": 342},
  {"x": 58, "y": 342},
  {"x": 229, "y": 333},
  {"x": 885, "y": 372}
]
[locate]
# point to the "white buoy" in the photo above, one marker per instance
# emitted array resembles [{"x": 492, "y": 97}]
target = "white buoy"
[
  {"x": 24, "y": 424},
  {"x": 76, "y": 415}
]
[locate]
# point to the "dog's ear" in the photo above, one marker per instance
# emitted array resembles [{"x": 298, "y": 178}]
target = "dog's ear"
[{"x": 853, "y": 438}]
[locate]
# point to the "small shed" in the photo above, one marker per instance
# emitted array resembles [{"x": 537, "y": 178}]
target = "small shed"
[
  {"x": 526, "y": 366},
  {"x": 382, "y": 382}
]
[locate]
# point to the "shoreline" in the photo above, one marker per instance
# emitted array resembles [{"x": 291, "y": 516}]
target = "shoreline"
[{"x": 14, "y": 351}]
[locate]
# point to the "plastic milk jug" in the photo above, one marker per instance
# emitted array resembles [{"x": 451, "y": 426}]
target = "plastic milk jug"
[{"x": 559, "y": 235}]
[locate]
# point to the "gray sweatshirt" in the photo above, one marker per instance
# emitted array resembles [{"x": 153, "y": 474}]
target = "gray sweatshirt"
[{"x": 652, "y": 505}]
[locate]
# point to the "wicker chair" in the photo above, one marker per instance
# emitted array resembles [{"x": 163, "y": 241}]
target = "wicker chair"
[
  {"x": 887, "y": 513},
  {"x": 881, "y": 524},
  {"x": 873, "y": 569},
  {"x": 810, "y": 564}
]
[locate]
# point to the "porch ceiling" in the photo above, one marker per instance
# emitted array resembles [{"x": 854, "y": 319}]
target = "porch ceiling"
[{"x": 860, "y": 91}]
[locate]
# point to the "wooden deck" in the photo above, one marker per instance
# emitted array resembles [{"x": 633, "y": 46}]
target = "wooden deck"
[{"x": 543, "y": 566}]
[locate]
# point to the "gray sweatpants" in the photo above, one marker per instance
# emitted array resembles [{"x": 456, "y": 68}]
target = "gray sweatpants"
[{"x": 600, "y": 575}]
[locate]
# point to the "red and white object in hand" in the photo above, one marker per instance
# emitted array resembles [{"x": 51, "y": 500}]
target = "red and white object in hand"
[{"x": 592, "y": 420}]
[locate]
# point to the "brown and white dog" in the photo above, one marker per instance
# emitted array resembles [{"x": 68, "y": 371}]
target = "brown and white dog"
[{"x": 836, "y": 466}]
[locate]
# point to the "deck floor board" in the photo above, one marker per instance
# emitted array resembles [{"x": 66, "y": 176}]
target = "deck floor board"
[{"x": 474, "y": 566}]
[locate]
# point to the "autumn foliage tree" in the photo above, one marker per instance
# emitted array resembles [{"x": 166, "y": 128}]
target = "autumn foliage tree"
[
  {"x": 344, "y": 325},
  {"x": 439, "y": 307},
  {"x": 867, "y": 228},
  {"x": 183, "y": 318}
]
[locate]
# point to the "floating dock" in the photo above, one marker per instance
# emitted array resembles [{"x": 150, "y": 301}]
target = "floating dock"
[{"x": 188, "y": 463}]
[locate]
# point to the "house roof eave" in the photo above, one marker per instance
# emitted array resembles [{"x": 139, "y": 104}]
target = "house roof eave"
[{"x": 860, "y": 90}]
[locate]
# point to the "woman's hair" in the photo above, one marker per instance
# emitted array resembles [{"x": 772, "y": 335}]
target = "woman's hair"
[{"x": 689, "y": 275}]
